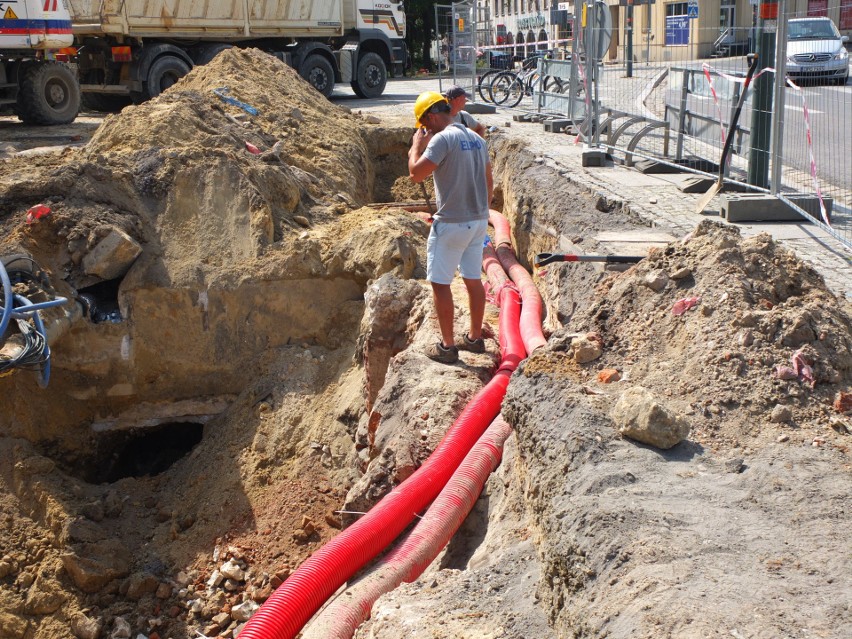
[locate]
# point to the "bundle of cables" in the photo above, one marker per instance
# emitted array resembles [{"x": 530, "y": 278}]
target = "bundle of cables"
[{"x": 28, "y": 348}]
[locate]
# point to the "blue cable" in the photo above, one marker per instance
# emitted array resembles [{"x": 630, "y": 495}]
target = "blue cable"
[
  {"x": 9, "y": 311},
  {"x": 44, "y": 373},
  {"x": 7, "y": 300}
]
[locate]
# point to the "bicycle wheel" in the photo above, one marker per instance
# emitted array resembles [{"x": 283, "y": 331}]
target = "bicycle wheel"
[
  {"x": 533, "y": 83},
  {"x": 507, "y": 89},
  {"x": 552, "y": 84},
  {"x": 499, "y": 85},
  {"x": 485, "y": 83}
]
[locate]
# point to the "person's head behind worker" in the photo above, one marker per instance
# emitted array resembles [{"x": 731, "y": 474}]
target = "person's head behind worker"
[
  {"x": 432, "y": 111},
  {"x": 457, "y": 97}
]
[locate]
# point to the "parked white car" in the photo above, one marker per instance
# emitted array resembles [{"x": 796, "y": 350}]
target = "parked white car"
[{"x": 816, "y": 50}]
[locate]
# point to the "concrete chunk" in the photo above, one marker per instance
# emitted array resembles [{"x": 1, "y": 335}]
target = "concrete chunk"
[{"x": 113, "y": 256}]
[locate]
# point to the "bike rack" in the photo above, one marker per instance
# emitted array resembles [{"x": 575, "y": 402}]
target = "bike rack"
[{"x": 613, "y": 133}]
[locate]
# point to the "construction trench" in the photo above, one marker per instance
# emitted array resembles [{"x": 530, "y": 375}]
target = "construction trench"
[{"x": 238, "y": 378}]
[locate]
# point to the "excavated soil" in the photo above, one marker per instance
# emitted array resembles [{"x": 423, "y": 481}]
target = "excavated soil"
[{"x": 275, "y": 317}]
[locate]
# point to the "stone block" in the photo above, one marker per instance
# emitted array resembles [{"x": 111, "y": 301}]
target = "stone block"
[
  {"x": 478, "y": 108},
  {"x": 113, "y": 256},
  {"x": 557, "y": 125},
  {"x": 593, "y": 157},
  {"x": 757, "y": 207}
]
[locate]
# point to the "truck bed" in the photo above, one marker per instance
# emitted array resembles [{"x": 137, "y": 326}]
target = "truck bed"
[{"x": 208, "y": 19}]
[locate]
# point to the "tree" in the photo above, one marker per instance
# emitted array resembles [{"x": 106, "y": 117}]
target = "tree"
[{"x": 420, "y": 21}]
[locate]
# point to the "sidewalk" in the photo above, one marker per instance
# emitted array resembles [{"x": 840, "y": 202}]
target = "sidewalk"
[{"x": 654, "y": 198}]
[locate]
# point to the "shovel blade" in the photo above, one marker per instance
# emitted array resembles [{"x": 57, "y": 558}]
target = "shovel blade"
[{"x": 705, "y": 199}]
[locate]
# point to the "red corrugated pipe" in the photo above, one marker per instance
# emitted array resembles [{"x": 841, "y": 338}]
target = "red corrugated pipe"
[
  {"x": 531, "y": 312},
  {"x": 284, "y": 614},
  {"x": 408, "y": 560}
]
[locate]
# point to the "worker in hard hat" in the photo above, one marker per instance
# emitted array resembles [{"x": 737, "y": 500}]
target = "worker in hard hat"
[
  {"x": 458, "y": 159},
  {"x": 458, "y": 97}
]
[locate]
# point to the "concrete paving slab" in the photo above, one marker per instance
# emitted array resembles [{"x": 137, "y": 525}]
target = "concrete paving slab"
[{"x": 635, "y": 179}]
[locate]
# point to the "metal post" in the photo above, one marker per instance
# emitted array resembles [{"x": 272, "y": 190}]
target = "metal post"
[
  {"x": 780, "y": 93},
  {"x": 628, "y": 30},
  {"x": 647, "y": 34},
  {"x": 590, "y": 49},
  {"x": 681, "y": 117},
  {"x": 761, "y": 105}
]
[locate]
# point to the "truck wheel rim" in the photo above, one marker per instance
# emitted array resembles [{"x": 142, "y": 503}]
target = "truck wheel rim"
[
  {"x": 372, "y": 75},
  {"x": 55, "y": 94},
  {"x": 318, "y": 79}
]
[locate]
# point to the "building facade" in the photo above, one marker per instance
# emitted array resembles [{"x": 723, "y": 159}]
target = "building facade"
[{"x": 662, "y": 30}]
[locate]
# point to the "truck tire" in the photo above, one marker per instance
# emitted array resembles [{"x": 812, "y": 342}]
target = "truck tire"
[
  {"x": 48, "y": 94},
  {"x": 164, "y": 72},
  {"x": 206, "y": 52},
  {"x": 105, "y": 102},
  {"x": 318, "y": 72},
  {"x": 371, "y": 77}
]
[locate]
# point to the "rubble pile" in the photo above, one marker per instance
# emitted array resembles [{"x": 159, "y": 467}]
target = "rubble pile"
[
  {"x": 229, "y": 279},
  {"x": 738, "y": 335},
  {"x": 237, "y": 252}
]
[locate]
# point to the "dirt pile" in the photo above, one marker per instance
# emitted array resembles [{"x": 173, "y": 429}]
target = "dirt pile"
[
  {"x": 276, "y": 324},
  {"x": 732, "y": 531},
  {"x": 737, "y": 334},
  {"x": 191, "y": 450}
]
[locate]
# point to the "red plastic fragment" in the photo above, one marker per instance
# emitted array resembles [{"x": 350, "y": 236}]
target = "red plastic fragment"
[{"x": 35, "y": 213}]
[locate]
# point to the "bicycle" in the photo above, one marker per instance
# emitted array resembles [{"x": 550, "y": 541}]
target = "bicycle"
[{"x": 510, "y": 87}]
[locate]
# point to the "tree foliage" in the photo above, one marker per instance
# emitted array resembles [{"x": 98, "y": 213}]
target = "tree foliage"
[{"x": 420, "y": 22}]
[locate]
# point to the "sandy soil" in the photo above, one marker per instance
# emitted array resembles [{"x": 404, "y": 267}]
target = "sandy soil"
[{"x": 276, "y": 310}]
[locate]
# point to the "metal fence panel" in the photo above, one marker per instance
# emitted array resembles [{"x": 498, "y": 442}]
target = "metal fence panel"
[{"x": 672, "y": 74}]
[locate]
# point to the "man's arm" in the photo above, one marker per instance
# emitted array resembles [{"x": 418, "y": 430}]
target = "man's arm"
[
  {"x": 419, "y": 168},
  {"x": 473, "y": 124},
  {"x": 489, "y": 179}
]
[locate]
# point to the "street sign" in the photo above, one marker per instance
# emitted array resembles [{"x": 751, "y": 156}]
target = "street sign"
[
  {"x": 564, "y": 6},
  {"x": 692, "y": 10}
]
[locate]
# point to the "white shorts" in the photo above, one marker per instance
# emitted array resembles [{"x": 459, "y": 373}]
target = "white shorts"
[{"x": 454, "y": 245}]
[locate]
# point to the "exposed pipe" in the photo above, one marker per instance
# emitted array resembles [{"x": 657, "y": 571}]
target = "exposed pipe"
[
  {"x": 284, "y": 614},
  {"x": 508, "y": 298},
  {"x": 340, "y": 619},
  {"x": 290, "y": 607},
  {"x": 408, "y": 560},
  {"x": 532, "y": 304}
]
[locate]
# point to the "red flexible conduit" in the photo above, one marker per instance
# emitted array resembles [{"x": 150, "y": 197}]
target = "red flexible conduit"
[
  {"x": 284, "y": 614},
  {"x": 408, "y": 560},
  {"x": 531, "y": 311}
]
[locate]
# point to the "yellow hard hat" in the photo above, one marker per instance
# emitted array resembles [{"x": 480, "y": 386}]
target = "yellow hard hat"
[{"x": 424, "y": 102}]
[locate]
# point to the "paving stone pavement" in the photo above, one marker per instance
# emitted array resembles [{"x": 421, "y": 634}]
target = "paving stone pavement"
[{"x": 653, "y": 198}]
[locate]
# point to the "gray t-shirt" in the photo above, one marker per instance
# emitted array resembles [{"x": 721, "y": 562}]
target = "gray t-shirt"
[
  {"x": 461, "y": 186},
  {"x": 463, "y": 117}
]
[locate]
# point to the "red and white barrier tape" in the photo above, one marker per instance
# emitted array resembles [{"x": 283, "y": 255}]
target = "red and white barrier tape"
[
  {"x": 733, "y": 78},
  {"x": 582, "y": 71},
  {"x": 709, "y": 77},
  {"x": 805, "y": 112},
  {"x": 822, "y": 210},
  {"x": 548, "y": 43}
]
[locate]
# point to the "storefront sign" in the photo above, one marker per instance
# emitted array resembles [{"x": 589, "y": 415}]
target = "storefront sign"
[
  {"x": 532, "y": 22},
  {"x": 677, "y": 30}
]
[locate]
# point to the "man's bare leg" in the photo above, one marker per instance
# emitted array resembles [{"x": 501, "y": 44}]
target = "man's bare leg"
[
  {"x": 442, "y": 295},
  {"x": 476, "y": 301}
]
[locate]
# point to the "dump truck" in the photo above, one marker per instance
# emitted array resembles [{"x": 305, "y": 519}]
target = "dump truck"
[
  {"x": 35, "y": 83},
  {"x": 132, "y": 50}
]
